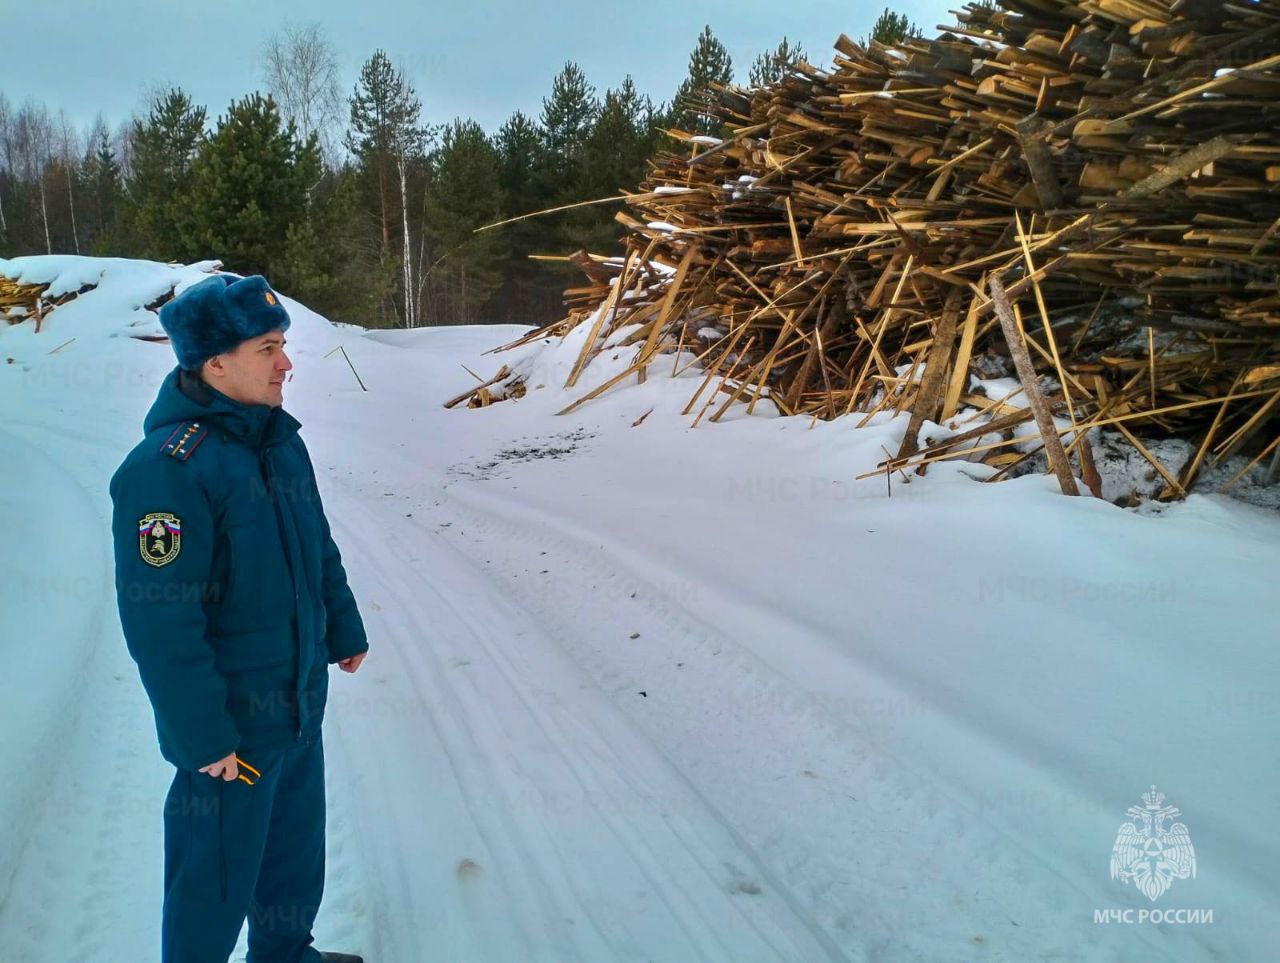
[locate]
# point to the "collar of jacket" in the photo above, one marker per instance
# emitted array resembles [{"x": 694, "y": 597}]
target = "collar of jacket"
[{"x": 185, "y": 397}]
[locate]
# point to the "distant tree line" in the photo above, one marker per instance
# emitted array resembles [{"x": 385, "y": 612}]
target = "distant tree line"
[{"x": 354, "y": 203}]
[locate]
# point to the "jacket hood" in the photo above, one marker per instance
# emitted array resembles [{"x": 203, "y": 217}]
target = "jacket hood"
[{"x": 184, "y": 397}]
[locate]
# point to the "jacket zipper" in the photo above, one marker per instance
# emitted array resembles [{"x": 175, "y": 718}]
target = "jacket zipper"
[{"x": 264, "y": 460}]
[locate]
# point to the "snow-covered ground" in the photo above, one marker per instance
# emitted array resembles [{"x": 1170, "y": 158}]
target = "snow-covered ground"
[{"x": 640, "y": 692}]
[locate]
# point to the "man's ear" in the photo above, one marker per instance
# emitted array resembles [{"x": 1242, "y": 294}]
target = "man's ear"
[{"x": 213, "y": 368}]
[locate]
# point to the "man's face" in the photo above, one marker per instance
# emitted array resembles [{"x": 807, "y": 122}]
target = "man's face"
[{"x": 252, "y": 372}]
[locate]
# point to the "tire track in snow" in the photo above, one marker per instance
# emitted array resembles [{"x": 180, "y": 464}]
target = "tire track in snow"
[
  {"x": 750, "y": 700},
  {"x": 873, "y": 904},
  {"x": 497, "y": 849},
  {"x": 727, "y": 668},
  {"x": 638, "y": 839},
  {"x": 634, "y": 789}
]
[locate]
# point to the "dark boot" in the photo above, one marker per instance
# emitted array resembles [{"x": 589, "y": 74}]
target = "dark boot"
[{"x": 341, "y": 958}]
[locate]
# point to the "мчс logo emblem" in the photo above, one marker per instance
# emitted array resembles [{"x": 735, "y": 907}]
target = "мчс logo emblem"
[
  {"x": 159, "y": 538},
  {"x": 1150, "y": 853}
]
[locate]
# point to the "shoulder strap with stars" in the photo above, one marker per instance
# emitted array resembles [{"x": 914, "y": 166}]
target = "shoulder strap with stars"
[{"x": 184, "y": 440}]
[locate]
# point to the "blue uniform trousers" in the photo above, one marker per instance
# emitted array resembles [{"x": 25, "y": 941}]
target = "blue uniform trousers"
[{"x": 234, "y": 850}]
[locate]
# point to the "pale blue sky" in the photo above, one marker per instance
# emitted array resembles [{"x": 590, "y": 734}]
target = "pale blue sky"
[{"x": 480, "y": 59}]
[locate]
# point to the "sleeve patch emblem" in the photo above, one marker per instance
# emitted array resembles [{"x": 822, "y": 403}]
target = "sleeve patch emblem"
[{"x": 159, "y": 538}]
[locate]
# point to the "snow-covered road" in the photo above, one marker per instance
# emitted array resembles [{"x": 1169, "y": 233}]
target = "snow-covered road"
[
  {"x": 523, "y": 814},
  {"x": 645, "y": 694}
]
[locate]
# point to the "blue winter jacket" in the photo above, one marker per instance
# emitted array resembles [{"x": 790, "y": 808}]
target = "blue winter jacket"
[{"x": 231, "y": 591}]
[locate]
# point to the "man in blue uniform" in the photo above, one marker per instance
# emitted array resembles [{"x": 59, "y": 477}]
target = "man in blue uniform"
[{"x": 234, "y": 602}]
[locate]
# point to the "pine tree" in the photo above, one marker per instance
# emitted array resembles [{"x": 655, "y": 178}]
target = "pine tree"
[
  {"x": 615, "y": 150},
  {"x": 249, "y": 184},
  {"x": 566, "y": 121},
  {"x": 383, "y": 105},
  {"x": 770, "y": 67},
  {"x": 529, "y": 288},
  {"x": 100, "y": 182},
  {"x": 384, "y": 135},
  {"x": 614, "y": 158},
  {"x": 891, "y": 28},
  {"x": 709, "y": 64},
  {"x": 655, "y": 119},
  {"x": 519, "y": 146},
  {"x": 163, "y": 147},
  {"x": 567, "y": 116},
  {"x": 322, "y": 263},
  {"x": 463, "y": 194}
]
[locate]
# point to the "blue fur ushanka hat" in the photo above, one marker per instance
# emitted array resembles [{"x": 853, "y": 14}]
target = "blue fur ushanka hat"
[{"x": 218, "y": 313}]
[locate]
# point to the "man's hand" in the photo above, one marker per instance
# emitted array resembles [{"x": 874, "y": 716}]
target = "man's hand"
[
  {"x": 226, "y": 768},
  {"x": 352, "y": 663}
]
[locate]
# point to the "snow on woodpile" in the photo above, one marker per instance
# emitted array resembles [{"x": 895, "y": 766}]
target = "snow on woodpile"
[{"x": 126, "y": 294}]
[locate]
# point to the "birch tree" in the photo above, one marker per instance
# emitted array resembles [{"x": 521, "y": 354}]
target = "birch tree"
[
  {"x": 34, "y": 137},
  {"x": 68, "y": 143},
  {"x": 300, "y": 69},
  {"x": 6, "y": 157}
]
